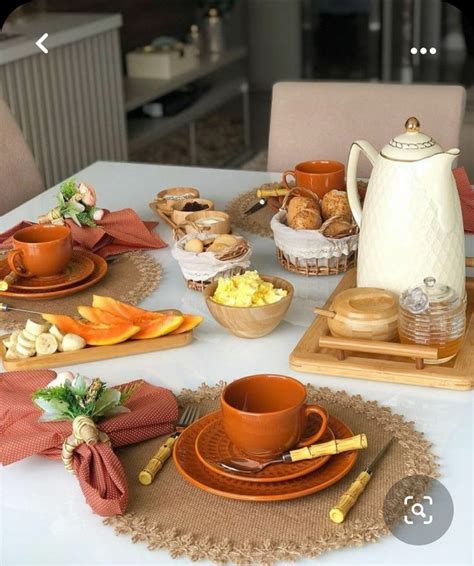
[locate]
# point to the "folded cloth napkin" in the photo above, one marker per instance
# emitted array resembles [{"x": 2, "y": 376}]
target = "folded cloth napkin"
[
  {"x": 99, "y": 471},
  {"x": 466, "y": 195},
  {"x": 118, "y": 232}
]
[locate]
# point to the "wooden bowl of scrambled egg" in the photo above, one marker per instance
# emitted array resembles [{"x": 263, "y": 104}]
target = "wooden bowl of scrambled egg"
[{"x": 249, "y": 305}]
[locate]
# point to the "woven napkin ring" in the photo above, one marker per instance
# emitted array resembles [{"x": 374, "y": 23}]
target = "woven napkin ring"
[{"x": 83, "y": 430}]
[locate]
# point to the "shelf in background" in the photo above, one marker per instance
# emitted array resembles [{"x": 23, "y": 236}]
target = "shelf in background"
[
  {"x": 145, "y": 130},
  {"x": 140, "y": 91}
]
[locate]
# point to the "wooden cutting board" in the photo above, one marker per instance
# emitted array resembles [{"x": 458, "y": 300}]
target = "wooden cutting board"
[
  {"x": 95, "y": 353},
  {"x": 316, "y": 352}
]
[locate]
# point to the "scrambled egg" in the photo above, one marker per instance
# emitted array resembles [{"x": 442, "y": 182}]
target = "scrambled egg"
[{"x": 247, "y": 290}]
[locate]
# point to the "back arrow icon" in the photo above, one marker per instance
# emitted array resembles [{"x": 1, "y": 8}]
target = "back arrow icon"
[{"x": 39, "y": 43}]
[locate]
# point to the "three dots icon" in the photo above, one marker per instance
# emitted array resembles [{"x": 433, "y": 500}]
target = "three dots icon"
[{"x": 423, "y": 51}]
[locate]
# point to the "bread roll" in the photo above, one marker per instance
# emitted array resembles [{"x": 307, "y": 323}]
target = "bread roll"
[
  {"x": 195, "y": 245},
  {"x": 303, "y": 214},
  {"x": 337, "y": 227},
  {"x": 336, "y": 203}
]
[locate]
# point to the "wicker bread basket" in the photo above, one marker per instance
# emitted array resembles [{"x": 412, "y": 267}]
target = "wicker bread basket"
[
  {"x": 201, "y": 269},
  {"x": 310, "y": 252}
]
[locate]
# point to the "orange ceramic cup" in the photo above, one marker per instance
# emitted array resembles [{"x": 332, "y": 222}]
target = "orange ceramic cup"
[
  {"x": 318, "y": 176},
  {"x": 40, "y": 250},
  {"x": 265, "y": 415}
]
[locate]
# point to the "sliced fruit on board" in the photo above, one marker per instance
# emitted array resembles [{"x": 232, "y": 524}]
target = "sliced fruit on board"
[
  {"x": 99, "y": 316},
  {"x": 158, "y": 326},
  {"x": 190, "y": 321},
  {"x": 118, "y": 308},
  {"x": 94, "y": 334}
]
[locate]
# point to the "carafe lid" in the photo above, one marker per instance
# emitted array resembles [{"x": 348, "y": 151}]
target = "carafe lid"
[
  {"x": 429, "y": 296},
  {"x": 412, "y": 145}
]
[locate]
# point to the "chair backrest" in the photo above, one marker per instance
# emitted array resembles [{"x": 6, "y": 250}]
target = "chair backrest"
[
  {"x": 319, "y": 120},
  {"x": 20, "y": 179}
]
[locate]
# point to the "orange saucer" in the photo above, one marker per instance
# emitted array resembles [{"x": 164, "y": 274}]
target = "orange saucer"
[
  {"x": 78, "y": 269},
  {"x": 213, "y": 445},
  {"x": 195, "y": 472},
  {"x": 99, "y": 272}
]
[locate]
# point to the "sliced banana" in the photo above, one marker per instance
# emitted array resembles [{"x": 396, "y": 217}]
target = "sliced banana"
[
  {"x": 46, "y": 344},
  {"x": 28, "y": 335},
  {"x": 7, "y": 342},
  {"x": 35, "y": 328},
  {"x": 25, "y": 342},
  {"x": 25, "y": 352},
  {"x": 73, "y": 342},
  {"x": 14, "y": 337},
  {"x": 54, "y": 330}
]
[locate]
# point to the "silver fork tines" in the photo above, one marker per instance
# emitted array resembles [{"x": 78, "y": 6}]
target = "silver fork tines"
[{"x": 190, "y": 414}]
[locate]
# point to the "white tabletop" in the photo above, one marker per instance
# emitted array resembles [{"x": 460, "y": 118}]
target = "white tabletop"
[{"x": 44, "y": 518}]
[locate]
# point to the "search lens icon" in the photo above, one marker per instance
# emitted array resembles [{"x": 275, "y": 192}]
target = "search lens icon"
[{"x": 418, "y": 510}]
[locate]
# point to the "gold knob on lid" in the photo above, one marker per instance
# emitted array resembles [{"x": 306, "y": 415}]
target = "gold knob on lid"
[{"x": 412, "y": 125}]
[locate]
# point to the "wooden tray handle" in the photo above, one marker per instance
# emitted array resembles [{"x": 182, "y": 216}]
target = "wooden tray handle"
[{"x": 416, "y": 351}]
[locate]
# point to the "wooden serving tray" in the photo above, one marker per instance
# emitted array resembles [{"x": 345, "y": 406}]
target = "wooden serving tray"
[
  {"x": 319, "y": 352},
  {"x": 95, "y": 353}
]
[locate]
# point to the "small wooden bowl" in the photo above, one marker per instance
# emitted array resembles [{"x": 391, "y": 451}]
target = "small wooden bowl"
[
  {"x": 178, "y": 216},
  {"x": 177, "y": 194},
  {"x": 250, "y": 322},
  {"x": 363, "y": 312},
  {"x": 192, "y": 225}
]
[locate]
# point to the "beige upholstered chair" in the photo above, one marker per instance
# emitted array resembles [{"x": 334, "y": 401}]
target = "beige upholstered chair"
[
  {"x": 318, "y": 120},
  {"x": 20, "y": 179}
]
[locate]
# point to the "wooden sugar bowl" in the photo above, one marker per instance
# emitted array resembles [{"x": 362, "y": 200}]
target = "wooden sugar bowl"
[{"x": 363, "y": 312}]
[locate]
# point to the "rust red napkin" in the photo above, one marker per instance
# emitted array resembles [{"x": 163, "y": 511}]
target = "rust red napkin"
[
  {"x": 118, "y": 232},
  {"x": 466, "y": 195},
  {"x": 99, "y": 471}
]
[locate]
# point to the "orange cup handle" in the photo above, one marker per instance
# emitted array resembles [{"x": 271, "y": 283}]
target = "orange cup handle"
[
  {"x": 324, "y": 417},
  {"x": 285, "y": 174},
  {"x": 21, "y": 271}
]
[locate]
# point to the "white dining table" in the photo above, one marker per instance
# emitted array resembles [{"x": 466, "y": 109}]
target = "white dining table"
[{"x": 44, "y": 518}]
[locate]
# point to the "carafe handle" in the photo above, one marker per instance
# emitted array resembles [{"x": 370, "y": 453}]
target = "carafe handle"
[{"x": 352, "y": 192}]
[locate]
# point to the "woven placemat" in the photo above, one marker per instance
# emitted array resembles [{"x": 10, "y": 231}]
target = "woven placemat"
[
  {"x": 130, "y": 278},
  {"x": 257, "y": 223},
  {"x": 173, "y": 515}
]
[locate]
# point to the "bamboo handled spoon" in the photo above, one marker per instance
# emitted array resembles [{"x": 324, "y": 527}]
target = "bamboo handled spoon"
[{"x": 248, "y": 466}]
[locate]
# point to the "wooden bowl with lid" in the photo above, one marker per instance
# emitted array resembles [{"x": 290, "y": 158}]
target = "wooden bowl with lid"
[{"x": 363, "y": 312}]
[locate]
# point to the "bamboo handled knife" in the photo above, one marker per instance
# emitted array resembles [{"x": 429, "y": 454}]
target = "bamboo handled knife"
[{"x": 339, "y": 512}]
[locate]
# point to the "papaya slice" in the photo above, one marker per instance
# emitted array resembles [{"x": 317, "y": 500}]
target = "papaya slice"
[
  {"x": 94, "y": 334},
  {"x": 190, "y": 321},
  {"x": 98, "y": 316},
  {"x": 154, "y": 328},
  {"x": 123, "y": 310}
]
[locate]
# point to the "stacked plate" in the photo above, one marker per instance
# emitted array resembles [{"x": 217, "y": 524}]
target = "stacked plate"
[
  {"x": 84, "y": 270},
  {"x": 204, "y": 444}
]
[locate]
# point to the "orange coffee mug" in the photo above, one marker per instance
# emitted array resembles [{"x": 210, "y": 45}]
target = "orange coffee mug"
[
  {"x": 318, "y": 176},
  {"x": 40, "y": 250},
  {"x": 265, "y": 415}
]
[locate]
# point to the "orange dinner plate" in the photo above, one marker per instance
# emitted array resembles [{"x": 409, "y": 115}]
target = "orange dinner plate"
[
  {"x": 213, "y": 445},
  {"x": 193, "y": 470},
  {"x": 99, "y": 271}
]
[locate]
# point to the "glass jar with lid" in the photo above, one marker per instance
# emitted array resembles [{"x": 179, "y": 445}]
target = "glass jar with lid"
[{"x": 433, "y": 315}]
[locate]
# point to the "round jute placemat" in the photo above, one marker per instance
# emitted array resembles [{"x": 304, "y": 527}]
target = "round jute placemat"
[
  {"x": 130, "y": 278},
  {"x": 173, "y": 515},
  {"x": 257, "y": 223}
]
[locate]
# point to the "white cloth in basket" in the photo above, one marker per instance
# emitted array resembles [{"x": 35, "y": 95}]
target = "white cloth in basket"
[
  {"x": 309, "y": 244},
  {"x": 205, "y": 266}
]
